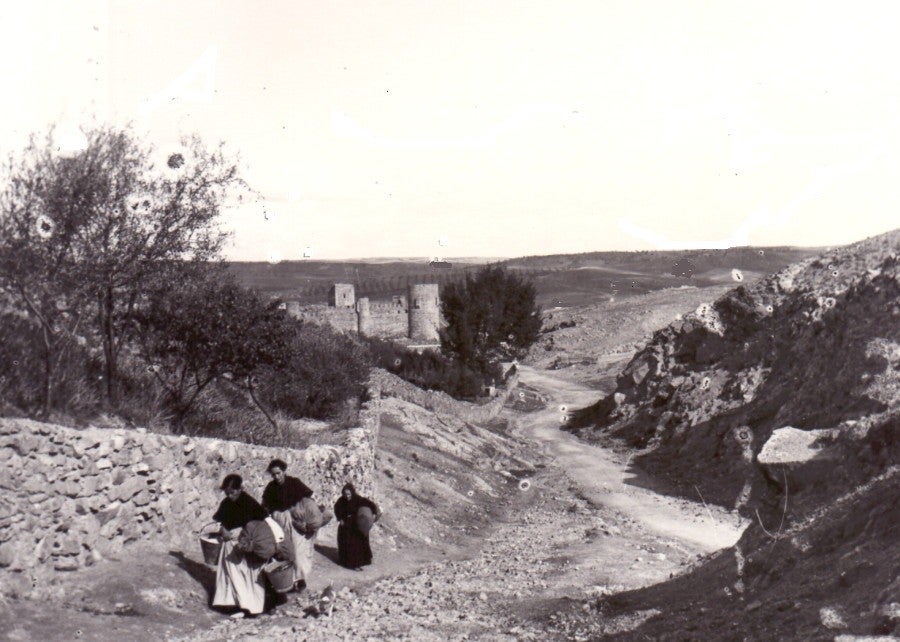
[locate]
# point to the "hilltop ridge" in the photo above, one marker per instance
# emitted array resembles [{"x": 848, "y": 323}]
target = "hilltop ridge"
[{"x": 561, "y": 280}]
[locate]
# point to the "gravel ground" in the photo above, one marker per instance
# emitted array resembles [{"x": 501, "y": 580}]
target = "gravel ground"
[
  {"x": 462, "y": 553},
  {"x": 538, "y": 572}
]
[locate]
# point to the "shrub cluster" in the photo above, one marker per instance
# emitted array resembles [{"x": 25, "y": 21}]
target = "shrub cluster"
[
  {"x": 322, "y": 374},
  {"x": 431, "y": 370}
]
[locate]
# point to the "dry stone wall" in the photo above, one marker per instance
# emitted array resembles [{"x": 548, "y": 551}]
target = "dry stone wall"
[
  {"x": 69, "y": 498},
  {"x": 388, "y": 385}
]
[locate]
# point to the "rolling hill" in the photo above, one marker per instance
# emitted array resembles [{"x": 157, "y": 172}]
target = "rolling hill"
[{"x": 561, "y": 280}]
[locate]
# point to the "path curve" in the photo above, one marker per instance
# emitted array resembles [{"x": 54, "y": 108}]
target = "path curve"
[{"x": 607, "y": 481}]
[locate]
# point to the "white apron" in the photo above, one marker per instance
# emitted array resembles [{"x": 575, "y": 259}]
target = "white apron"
[
  {"x": 303, "y": 546},
  {"x": 238, "y": 581}
]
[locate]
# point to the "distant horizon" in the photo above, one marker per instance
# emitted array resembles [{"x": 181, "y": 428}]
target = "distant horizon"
[{"x": 473, "y": 259}]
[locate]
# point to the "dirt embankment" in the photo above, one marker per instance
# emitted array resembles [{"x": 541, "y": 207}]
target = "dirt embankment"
[
  {"x": 780, "y": 400},
  {"x": 592, "y": 343}
]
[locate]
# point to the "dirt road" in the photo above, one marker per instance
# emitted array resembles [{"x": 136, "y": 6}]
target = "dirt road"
[
  {"x": 587, "y": 525},
  {"x": 609, "y": 482},
  {"x": 582, "y": 530}
]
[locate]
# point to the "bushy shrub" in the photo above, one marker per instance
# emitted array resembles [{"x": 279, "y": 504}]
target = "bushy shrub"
[
  {"x": 322, "y": 371},
  {"x": 431, "y": 370}
]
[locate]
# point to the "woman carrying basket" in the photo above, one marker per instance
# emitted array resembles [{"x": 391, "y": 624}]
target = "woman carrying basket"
[
  {"x": 356, "y": 515},
  {"x": 281, "y": 495},
  {"x": 238, "y": 579}
]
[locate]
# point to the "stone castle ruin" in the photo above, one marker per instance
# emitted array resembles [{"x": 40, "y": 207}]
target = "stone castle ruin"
[{"x": 415, "y": 316}]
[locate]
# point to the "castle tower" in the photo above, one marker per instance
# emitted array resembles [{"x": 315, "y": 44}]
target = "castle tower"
[
  {"x": 341, "y": 295},
  {"x": 424, "y": 312},
  {"x": 363, "y": 316}
]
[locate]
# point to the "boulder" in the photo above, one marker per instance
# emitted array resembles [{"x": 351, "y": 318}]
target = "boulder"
[
  {"x": 640, "y": 372},
  {"x": 7, "y": 554},
  {"x": 794, "y": 459},
  {"x": 793, "y": 446}
]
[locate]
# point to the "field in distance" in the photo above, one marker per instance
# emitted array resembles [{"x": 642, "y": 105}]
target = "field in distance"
[{"x": 563, "y": 280}]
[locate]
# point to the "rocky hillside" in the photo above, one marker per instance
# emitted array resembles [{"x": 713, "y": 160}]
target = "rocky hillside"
[
  {"x": 815, "y": 346},
  {"x": 781, "y": 400},
  {"x": 591, "y": 343}
]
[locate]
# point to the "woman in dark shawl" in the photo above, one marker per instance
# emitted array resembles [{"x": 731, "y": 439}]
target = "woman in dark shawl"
[
  {"x": 283, "y": 491},
  {"x": 238, "y": 507},
  {"x": 238, "y": 580},
  {"x": 280, "y": 496},
  {"x": 356, "y": 515}
]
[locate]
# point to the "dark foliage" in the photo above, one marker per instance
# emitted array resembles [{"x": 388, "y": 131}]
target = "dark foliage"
[
  {"x": 321, "y": 373},
  {"x": 431, "y": 370},
  {"x": 491, "y": 317},
  {"x": 209, "y": 329}
]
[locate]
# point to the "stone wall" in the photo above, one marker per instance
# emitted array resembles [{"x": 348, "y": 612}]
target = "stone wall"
[
  {"x": 388, "y": 385},
  {"x": 388, "y": 321},
  {"x": 71, "y": 497},
  {"x": 341, "y": 319},
  {"x": 384, "y": 320}
]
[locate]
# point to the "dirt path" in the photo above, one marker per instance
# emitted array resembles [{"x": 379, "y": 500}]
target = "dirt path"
[
  {"x": 607, "y": 481},
  {"x": 587, "y": 526},
  {"x": 582, "y": 530}
]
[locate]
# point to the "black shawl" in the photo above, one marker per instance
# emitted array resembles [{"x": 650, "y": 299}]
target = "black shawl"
[
  {"x": 344, "y": 507},
  {"x": 235, "y": 514},
  {"x": 278, "y": 497}
]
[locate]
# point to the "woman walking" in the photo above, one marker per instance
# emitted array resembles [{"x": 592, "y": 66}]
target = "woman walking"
[
  {"x": 356, "y": 515},
  {"x": 280, "y": 496},
  {"x": 238, "y": 578}
]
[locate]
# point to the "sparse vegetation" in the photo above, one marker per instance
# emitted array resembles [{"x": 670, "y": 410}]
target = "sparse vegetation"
[{"x": 114, "y": 306}]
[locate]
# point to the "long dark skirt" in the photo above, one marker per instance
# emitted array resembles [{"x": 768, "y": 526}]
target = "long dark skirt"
[{"x": 353, "y": 546}]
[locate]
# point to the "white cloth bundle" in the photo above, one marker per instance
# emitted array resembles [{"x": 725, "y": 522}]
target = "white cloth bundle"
[{"x": 276, "y": 530}]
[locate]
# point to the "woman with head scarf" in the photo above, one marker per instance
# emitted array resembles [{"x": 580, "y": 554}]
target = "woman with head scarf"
[
  {"x": 238, "y": 579},
  {"x": 280, "y": 496},
  {"x": 356, "y": 515}
]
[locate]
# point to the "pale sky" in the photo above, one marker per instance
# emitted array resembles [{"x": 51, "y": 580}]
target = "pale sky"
[{"x": 504, "y": 128}]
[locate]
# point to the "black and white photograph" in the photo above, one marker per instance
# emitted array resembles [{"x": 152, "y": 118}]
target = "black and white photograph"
[{"x": 474, "y": 320}]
